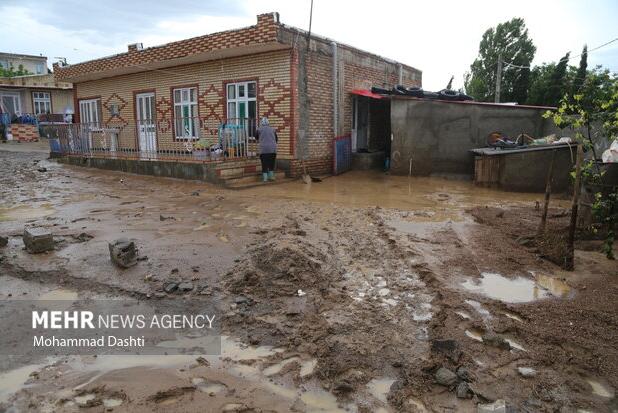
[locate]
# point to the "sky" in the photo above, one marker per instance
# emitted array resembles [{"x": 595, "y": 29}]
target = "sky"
[{"x": 439, "y": 37}]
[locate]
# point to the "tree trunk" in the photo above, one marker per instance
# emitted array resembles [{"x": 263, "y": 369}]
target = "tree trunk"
[
  {"x": 550, "y": 173},
  {"x": 570, "y": 258}
]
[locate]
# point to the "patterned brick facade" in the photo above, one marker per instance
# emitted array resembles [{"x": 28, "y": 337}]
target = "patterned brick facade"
[
  {"x": 294, "y": 83},
  {"x": 24, "y": 132}
]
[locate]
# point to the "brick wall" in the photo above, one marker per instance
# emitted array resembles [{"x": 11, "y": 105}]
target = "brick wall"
[
  {"x": 270, "y": 70},
  {"x": 24, "y": 133}
]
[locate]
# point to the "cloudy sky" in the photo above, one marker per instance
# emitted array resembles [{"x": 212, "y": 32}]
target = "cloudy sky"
[{"x": 437, "y": 36}]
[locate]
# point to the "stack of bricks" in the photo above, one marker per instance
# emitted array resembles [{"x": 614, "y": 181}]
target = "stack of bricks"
[{"x": 24, "y": 132}]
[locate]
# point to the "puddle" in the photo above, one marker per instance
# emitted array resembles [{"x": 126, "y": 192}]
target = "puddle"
[
  {"x": 516, "y": 290},
  {"x": 479, "y": 308},
  {"x": 513, "y": 316},
  {"x": 112, "y": 402},
  {"x": 84, "y": 399},
  {"x": 59, "y": 294},
  {"x": 320, "y": 401},
  {"x": 463, "y": 315},
  {"x": 276, "y": 368},
  {"x": 599, "y": 389},
  {"x": 14, "y": 380},
  {"x": 25, "y": 212},
  {"x": 475, "y": 334},
  {"x": 379, "y": 388},
  {"x": 515, "y": 345},
  {"x": 208, "y": 387},
  {"x": 307, "y": 367}
]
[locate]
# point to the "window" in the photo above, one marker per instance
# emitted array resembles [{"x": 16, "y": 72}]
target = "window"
[
  {"x": 4, "y": 63},
  {"x": 241, "y": 101},
  {"x": 41, "y": 102},
  {"x": 185, "y": 113},
  {"x": 90, "y": 111},
  {"x": 40, "y": 68},
  {"x": 10, "y": 103}
]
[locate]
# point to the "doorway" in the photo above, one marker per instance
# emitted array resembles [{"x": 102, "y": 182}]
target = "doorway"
[{"x": 146, "y": 123}]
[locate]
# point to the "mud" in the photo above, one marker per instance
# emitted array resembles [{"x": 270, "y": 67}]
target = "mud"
[{"x": 333, "y": 294}]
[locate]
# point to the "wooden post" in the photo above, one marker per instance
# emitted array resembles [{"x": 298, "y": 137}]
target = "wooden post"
[
  {"x": 570, "y": 258},
  {"x": 550, "y": 173}
]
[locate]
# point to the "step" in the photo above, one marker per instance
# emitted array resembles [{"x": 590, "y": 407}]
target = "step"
[{"x": 253, "y": 180}]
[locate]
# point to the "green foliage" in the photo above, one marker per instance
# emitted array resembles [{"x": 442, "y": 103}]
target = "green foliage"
[
  {"x": 11, "y": 72},
  {"x": 510, "y": 42},
  {"x": 557, "y": 83},
  {"x": 582, "y": 71},
  {"x": 596, "y": 104}
]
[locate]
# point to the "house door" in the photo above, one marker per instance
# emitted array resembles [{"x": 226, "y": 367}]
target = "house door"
[
  {"x": 146, "y": 125},
  {"x": 89, "y": 117}
]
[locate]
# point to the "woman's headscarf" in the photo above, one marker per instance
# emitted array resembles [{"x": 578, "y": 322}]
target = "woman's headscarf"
[{"x": 264, "y": 121}]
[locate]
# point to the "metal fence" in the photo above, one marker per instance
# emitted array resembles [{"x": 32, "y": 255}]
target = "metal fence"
[{"x": 184, "y": 139}]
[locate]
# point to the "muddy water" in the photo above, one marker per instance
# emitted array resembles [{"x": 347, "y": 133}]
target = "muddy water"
[
  {"x": 14, "y": 380},
  {"x": 518, "y": 289},
  {"x": 433, "y": 198},
  {"x": 25, "y": 212}
]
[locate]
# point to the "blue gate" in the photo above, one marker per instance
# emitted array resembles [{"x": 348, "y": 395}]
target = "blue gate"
[{"x": 342, "y": 154}]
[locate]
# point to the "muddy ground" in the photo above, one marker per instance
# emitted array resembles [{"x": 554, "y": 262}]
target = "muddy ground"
[{"x": 353, "y": 294}]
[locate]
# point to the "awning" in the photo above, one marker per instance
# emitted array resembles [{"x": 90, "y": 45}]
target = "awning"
[{"x": 366, "y": 93}]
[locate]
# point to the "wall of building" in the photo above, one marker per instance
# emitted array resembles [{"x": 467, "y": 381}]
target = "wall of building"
[
  {"x": 314, "y": 105},
  {"x": 270, "y": 70},
  {"x": 32, "y": 64},
  {"x": 437, "y": 136}
]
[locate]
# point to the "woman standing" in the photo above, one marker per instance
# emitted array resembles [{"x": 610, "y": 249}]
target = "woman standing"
[{"x": 267, "y": 137}]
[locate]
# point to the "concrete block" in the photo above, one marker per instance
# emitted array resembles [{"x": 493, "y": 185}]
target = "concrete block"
[
  {"x": 123, "y": 253},
  {"x": 38, "y": 240}
]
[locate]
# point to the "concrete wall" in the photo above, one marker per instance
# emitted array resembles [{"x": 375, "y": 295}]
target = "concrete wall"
[{"x": 438, "y": 135}]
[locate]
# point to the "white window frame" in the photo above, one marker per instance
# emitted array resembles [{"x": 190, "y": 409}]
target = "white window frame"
[
  {"x": 40, "y": 66},
  {"x": 239, "y": 95},
  {"x": 16, "y": 100},
  {"x": 89, "y": 110},
  {"x": 184, "y": 98},
  {"x": 41, "y": 99}
]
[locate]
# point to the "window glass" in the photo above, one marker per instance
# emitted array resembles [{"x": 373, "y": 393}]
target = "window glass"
[
  {"x": 252, "y": 92},
  {"x": 241, "y": 90},
  {"x": 242, "y": 100},
  {"x": 231, "y": 91},
  {"x": 185, "y": 113}
]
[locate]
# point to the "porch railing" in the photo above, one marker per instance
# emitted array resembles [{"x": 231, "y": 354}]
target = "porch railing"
[{"x": 184, "y": 139}]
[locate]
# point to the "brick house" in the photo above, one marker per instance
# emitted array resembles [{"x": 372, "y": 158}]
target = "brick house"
[{"x": 185, "y": 90}]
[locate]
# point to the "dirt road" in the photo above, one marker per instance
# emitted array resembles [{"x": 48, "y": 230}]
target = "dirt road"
[{"x": 363, "y": 293}]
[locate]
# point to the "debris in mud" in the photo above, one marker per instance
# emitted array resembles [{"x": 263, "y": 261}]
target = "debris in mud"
[
  {"x": 38, "y": 240},
  {"x": 3, "y": 241},
  {"x": 445, "y": 377},
  {"x": 494, "y": 340},
  {"x": 82, "y": 237},
  {"x": 42, "y": 169},
  {"x": 164, "y": 218},
  {"x": 449, "y": 348},
  {"x": 202, "y": 361},
  {"x": 526, "y": 371},
  {"x": 463, "y": 390},
  {"x": 185, "y": 286},
  {"x": 170, "y": 287},
  {"x": 499, "y": 406},
  {"x": 164, "y": 395},
  {"x": 123, "y": 253}
]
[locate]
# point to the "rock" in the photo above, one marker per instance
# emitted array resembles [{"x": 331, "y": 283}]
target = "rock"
[
  {"x": 342, "y": 387},
  {"x": 201, "y": 360},
  {"x": 123, "y": 253},
  {"x": 42, "y": 169},
  {"x": 3, "y": 241},
  {"x": 241, "y": 300},
  {"x": 445, "y": 377},
  {"x": 499, "y": 406},
  {"x": 526, "y": 371},
  {"x": 463, "y": 390},
  {"x": 185, "y": 286},
  {"x": 463, "y": 373},
  {"x": 83, "y": 237},
  {"x": 170, "y": 287},
  {"x": 449, "y": 348},
  {"x": 163, "y": 218},
  {"x": 38, "y": 240},
  {"x": 195, "y": 193},
  {"x": 494, "y": 340}
]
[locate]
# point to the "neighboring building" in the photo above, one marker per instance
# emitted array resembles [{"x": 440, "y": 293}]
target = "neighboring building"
[
  {"x": 35, "y": 65},
  {"x": 37, "y": 93},
  {"x": 161, "y": 98}
]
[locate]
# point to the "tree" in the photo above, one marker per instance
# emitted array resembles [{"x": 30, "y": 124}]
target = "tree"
[
  {"x": 11, "y": 72},
  {"x": 580, "y": 76},
  {"x": 558, "y": 85},
  {"x": 508, "y": 41},
  {"x": 540, "y": 79}
]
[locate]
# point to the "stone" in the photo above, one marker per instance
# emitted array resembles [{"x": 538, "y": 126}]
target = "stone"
[
  {"x": 185, "y": 286},
  {"x": 42, "y": 169},
  {"x": 526, "y": 371},
  {"x": 463, "y": 390},
  {"x": 241, "y": 300},
  {"x": 463, "y": 373},
  {"x": 499, "y": 406},
  {"x": 3, "y": 241},
  {"x": 170, "y": 287},
  {"x": 123, "y": 253},
  {"x": 494, "y": 340},
  {"x": 445, "y": 377},
  {"x": 342, "y": 387},
  {"x": 38, "y": 240},
  {"x": 448, "y": 347}
]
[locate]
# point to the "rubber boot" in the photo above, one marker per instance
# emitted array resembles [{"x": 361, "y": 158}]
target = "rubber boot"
[
  {"x": 264, "y": 177},
  {"x": 271, "y": 175}
]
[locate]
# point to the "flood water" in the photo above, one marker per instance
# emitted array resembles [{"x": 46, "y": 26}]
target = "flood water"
[{"x": 518, "y": 289}]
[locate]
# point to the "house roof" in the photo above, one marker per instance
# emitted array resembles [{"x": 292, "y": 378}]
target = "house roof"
[
  {"x": 259, "y": 38},
  {"x": 22, "y": 56}
]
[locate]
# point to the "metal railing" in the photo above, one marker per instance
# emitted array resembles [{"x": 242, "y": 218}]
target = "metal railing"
[{"x": 189, "y": 139}]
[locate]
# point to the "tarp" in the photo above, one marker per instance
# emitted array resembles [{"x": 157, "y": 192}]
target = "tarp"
[{"x": 366, "y": 93}]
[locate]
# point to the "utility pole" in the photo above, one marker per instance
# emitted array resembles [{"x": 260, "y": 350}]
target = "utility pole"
[{"x": 498, "y": 79}]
